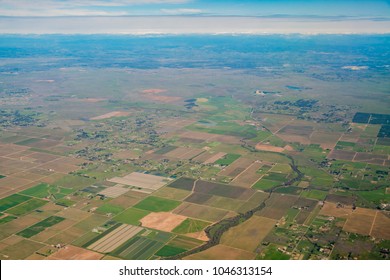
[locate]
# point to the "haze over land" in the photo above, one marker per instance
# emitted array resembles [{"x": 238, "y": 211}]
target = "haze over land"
[
  {"x": 190, "y": 17},
  {"x": 192, "y": 25}
]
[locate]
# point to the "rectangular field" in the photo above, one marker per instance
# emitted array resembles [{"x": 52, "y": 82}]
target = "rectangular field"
[
  {"x": 141, "y": 180},
  {"x": 248, "y": 177},
  {"x": 115, "y": 238}
]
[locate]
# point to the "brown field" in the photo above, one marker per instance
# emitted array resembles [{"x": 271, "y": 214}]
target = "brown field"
[
  {"x": 200, "y": 235},
  {"x": 20, "y": 250},
  {"x": 162, "y": 221},
  {"x": 154, "y": 90},
  {"x": 360, "y": 221},
  {"x": 241, "y": 163},
  {"x": 164, "y": 98},
  {"x": 111, "y": 115},
  {"x": 141, "y": 180},
  {"x": 222, "y": 252},
  {"x": 172, "y": 193},
  {"x": 331, "y": 209},
  {"x": 73, "y": 214},
  {"x": 125, "y": 154},
  {"x": 125, "y": 201},
  {"x": 326, "y": 139},
  {"x": 343, "y": 155},
  {"x": 7, "y": 149},
  {"x": 200, "y": 212},
  {"x": 346, "y": 200},
  {"x": 74, "y": 253},
  {"x": 115, "y": 238},
  {"x": 249, "y": 234},
  {"x": 184, "y": 153},
  {"x": 14, "y": 182},
  {"x": 381, "y": 226},
  {"x": 230, "y": 191},
  {"x": 66, "y": 237},
  {"x": 277, "y": 206},
  {"x": 269, "y": 148},
  {"x": 291, "y": 138},
  {"x": 207, "y": 158},
  {"x": 114, "y": 191},
  {"x": 248, "y": 177},
  {"x": 211, "y": 137}
]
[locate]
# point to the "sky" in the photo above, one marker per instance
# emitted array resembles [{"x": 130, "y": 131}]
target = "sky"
[
  {"x": 50, "y": 8},
  {"x": 194, "y": 16}
]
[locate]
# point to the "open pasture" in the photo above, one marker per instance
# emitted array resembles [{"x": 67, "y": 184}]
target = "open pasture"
[
  {"x": 190, "y": 226},
  {"x": 200, "y": 212},
  {"x": 211, "y": 188},
  {"x": 12, "y": 200},
  {"x": 184, "y": 153},
  {"x": 277, "y": 206},
  {"x": 141, "y": 180},
  {"x": 222, "y": 252},
  {"x": 208, "y": 158},
  {"x": 248, "y": 177},
  {"x": 40, "y": 226},
  {"x": 248, "y": 235},
  {"x": 157, "y": 204},
  {"x": 240, "y": 164},
  {"x": 114, "y": 191},
  {"x": 113, "y": 114},
  {"x": 183, "y": 184}
]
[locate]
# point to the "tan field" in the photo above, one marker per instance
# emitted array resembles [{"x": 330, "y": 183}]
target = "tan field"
[
  {"x": 269, "y": 148},
  {"x": 222, "y": 252},
  {"x": 74, "y": 253},
  {"x": 248, "y": 235},
  {"x": 162, "y": 221},
  {"x": 141, "y": 180},
  {"x": 115, "y": 238},
  {"x": 110, "y": 115}
]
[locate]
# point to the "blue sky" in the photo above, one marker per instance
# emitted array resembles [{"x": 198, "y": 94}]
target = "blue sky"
[{"x": 355, "y": 8}]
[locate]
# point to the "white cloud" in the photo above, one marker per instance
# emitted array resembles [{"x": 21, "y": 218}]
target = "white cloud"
[
  {"x": 72, "y": 7},
  {"x": 181, "y": 11}
]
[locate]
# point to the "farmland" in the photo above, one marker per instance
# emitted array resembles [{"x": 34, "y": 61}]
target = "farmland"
[{"x": 269, "y": 153}]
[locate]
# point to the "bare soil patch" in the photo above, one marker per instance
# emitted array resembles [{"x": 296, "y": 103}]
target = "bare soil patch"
[{"x": 162, "y": 221}]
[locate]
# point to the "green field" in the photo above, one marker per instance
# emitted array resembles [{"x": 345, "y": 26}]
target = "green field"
[
  {"x": 314, "y": 194},
  {"x": 27, "y": 207},
  {"x": 2, "y": 176},
  {"x": 190, "y": 225},
  {"x": 12, "y": 200},
  {"x": 157, "y": 204},
  {"x": 40, "y": 226},
  {"x": 44, "y": 190},
  {"x": 167, "y": 251},
  {"x": 264, "y": 184},
  {"x": 227, "y": 159},
  {"x": 109, "y": 208},
  {"x": 131, "y": 216},
  {"x": 272, "y": 253},
  {"x": 7, "y": 219}
]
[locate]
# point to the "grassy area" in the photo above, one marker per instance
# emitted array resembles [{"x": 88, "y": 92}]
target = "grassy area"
[
  {"x": 45, "y": 190},
  {"x": 131, "y": 216},
  {"x": 272, "y": 253},
  {"x": 265, "y": 184},
  {"x": 27, "y": 207},
  {"x": 314, "y": 194},
  {"x": 190, "y": 225},
  {"x": 109, "y": 208},
  {"x": 167, "y": 251},
  {"x": 41, "y": 226},
  {"x": 12, "y": 200},
  {"x": 227, "y": 159},
  {"x": 157, "y": 204}
]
